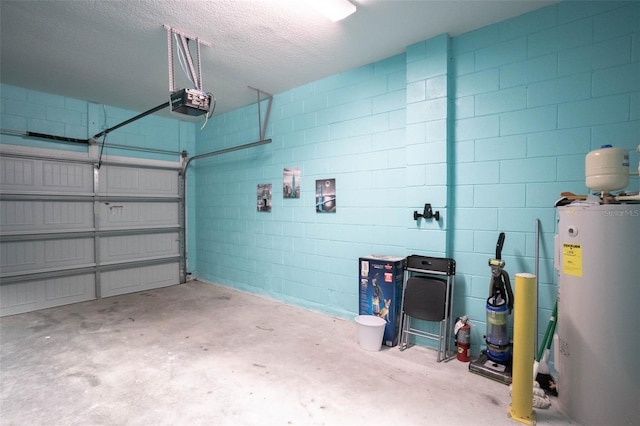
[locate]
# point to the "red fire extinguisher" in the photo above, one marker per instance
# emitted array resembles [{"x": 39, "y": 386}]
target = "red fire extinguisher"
[{"x": 463, "y": 338}]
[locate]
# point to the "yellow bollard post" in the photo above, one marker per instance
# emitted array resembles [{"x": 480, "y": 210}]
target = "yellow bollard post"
[{"x": 521, "y": 408}]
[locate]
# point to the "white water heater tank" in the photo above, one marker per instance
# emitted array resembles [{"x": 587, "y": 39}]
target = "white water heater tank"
[
  {"x": 596, "y": 352},
  {"x": 607, "y": 169}
]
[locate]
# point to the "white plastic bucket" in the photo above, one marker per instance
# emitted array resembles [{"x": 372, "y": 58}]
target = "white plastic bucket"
[{"x": 370, "y": 332}]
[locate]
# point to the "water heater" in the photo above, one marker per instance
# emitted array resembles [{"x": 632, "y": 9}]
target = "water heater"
[{"x": 597, "y": 255}]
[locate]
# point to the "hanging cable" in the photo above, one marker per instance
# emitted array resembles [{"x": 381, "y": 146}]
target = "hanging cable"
[
  {"x": 213, "y": 108},
  {"x": 104, "y": 140},
  {"x": 104, "y": 112},
  {"x": 182, "y": 60},
  {"x": 104, "y": 136}
]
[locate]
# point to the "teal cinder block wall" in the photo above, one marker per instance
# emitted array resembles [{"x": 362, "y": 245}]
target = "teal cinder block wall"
[
  {"x": 489, "y": 127},
  {"x": 349, "y": 127}
]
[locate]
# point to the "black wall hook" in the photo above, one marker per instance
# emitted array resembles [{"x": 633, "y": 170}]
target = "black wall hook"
[{"x": 427, "y": 213}]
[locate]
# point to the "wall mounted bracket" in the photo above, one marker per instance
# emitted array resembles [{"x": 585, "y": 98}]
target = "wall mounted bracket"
[
  {"x": 427, "y": 213},
  {"x": 269, "y": 97}
]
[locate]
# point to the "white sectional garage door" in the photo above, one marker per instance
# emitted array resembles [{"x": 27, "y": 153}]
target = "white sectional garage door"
[{"x": 70, "y": 231}]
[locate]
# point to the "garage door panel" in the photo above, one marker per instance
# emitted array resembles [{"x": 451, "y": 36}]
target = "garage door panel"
[
  {"x": 67, "y": 214},
  {"x": 45, "y": 255},
  {"x": 19, "y": 297},
  {"x": 124, "y": 281},
  {"x": 145, "y": 182},
  {"x": 138, "y": 247},
  {"x": 70, "y": 178},
  {"x": 69, "y": 289},
  {"x": 15, "y": 256},
  {"x": 19, "y": 215},
  {"x": 138, "y": 215},
  {"x": 38, "y": 216},
  {"x": 17, "y": 174},
  {"x": 38, "y": 175},
  {"x": 71, "y": 231}
]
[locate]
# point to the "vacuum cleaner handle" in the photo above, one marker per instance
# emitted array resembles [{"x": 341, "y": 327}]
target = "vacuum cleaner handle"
[{"x": 499, "y": 246}]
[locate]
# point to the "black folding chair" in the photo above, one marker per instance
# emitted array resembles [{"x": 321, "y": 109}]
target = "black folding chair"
[{"x": 427, "y": 295}]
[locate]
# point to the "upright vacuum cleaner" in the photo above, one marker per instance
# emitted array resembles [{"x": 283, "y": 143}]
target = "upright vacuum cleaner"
[{"x": 494, "y": 362}]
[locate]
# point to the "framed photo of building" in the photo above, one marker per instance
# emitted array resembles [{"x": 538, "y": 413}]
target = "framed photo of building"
[
  {"x": 326, "y": 196},
  {"x": 264, "y": 197},
  {"x": 291, "y": 183}
]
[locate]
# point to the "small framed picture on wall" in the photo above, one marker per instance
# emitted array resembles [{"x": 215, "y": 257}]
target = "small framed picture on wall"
[
  {"x": 326, "y": 196},
  {"x": 264, "y": 197},
  {"x": 291, "y": 183}
]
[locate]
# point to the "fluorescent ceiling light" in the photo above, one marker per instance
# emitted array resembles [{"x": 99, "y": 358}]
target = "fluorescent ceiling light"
[{"x": 335, "y": 10}]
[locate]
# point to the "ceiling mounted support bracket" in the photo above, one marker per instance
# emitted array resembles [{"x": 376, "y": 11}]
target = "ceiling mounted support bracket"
[
  {"x": 269, "y": 97},
  {"x": 184, "y": 40}
]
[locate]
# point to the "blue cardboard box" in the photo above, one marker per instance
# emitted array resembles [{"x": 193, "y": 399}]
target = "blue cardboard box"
[{"x": 380, "y": 291}]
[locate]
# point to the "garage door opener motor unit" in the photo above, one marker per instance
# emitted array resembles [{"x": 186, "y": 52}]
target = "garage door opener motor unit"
[{"x": 190, "y": 102}]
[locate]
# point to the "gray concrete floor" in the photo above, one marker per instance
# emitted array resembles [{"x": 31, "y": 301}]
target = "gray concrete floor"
[{"x": 200, "y": 354}]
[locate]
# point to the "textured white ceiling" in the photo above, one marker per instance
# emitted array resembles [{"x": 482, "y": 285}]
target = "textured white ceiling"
[{"x": 115, "y": 52}]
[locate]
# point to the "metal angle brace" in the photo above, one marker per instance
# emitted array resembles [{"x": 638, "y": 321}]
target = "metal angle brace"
[{"x": 269, "y": 97}]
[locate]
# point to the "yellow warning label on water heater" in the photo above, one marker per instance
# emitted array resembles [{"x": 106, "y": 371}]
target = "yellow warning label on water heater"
[{"x": 572, "y": 259}]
